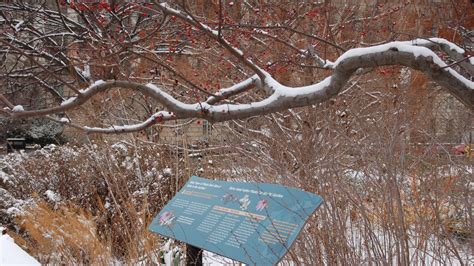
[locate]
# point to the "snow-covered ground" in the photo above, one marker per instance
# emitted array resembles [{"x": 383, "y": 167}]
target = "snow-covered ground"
[
  {"x": 211, "y": 259},
  {"x": 11, "y": 254}
]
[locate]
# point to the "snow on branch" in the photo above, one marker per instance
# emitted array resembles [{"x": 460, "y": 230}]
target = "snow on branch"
[
  {"x": 394, "y": 53},
  {"x": 234, "y": 90},
  {"x": 451, "y": 49},
  {"x": 155, "y": 118}
]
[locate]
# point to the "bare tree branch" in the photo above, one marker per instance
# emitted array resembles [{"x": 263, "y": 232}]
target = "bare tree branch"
[{"x": 214, "y": 35}]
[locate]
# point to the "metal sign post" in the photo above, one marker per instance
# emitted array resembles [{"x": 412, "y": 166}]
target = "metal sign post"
[{"x": 193, "y": 256}]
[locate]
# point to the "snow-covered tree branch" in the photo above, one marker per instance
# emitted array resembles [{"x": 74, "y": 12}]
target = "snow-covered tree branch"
[{"x": 444, "y": 62}]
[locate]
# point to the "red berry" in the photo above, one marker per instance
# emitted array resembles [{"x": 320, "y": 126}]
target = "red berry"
[
  {"x": 81, "y": 7},
  {"x": 104, "y": 5}
]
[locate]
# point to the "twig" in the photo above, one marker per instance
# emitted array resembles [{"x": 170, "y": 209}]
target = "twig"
[{"x": 457, "y": 62}]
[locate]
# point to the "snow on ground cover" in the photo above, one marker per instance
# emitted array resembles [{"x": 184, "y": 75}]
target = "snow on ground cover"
[
  {"x": 355, "y": 174},
  {"x": 9, "y": 204},
  {"x": 9, "y": 201},
  {"x": 120, "y": 146},
  {"x": 211, "y": 259},
  {"x": 167, "y": 171},
  {"x": 4, "y": 177},
  {"x": 419, "y": 256},
  {"x": 52, "y": 196}
]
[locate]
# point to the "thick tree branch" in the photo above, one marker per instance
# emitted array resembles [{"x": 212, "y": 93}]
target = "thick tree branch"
[
  {"x": 455, "y": 52},
  {"x": 283, "y": 98}
]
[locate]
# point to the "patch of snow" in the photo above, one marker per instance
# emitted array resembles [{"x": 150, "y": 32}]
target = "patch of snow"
[
  {"x": 18, "y": 108},
  {"x": 195, "y": 154},
  {"x": 259, "y": 30},
  {"x": 236, "y": 87},
  {"x": 150, "y": 173},
  {"x": 4, "y": 177},
  {"x": 65, "y": 120},
  {"x": 134, "y": 127},
  {"x": 328, "y": 64},
  {"x": 127, "y": 163},
  {"x": 405, "y": 75},
  {"x": 299, "y": 137},
  {"x": 13, "y": 211},
  {"x": 451, "y": 45},
  {"x": 12, "y": 254},
  {"x": 215, "y": 32},
  {"x": 170, "y": 254},
  {"x": 141, "y": 192},
  {"x": 7, "y": 199},
  {"x": 161, "y": 94},
  {"x": 93, "y": 85},
  {"x": 87, "y": 72},
  {"x": 97, "y": 83},
  {"x": 167, "y": 172},
  {"x": 267, "y": 132},
  {"x": 52, "y": 196},
  {"x": 50, "y": 147},
  {"x": 211, "y": 259},
  {"x": 18, "y": 25},
  {"x": 68, "y": 101},
  {"x": 120, "y": 146},
  {"x": 355, "y": 175},
  {"x": 469, "y": 169}
]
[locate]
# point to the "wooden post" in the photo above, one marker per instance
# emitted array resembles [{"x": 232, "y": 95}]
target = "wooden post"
[{"x": 193, "y": 256}]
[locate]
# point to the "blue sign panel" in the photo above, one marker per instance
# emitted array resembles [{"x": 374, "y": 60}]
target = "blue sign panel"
[{"x": 253, "y": 223}]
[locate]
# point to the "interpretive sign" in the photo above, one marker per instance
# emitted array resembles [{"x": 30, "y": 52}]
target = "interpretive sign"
[{"x": 253, "y": 223}]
